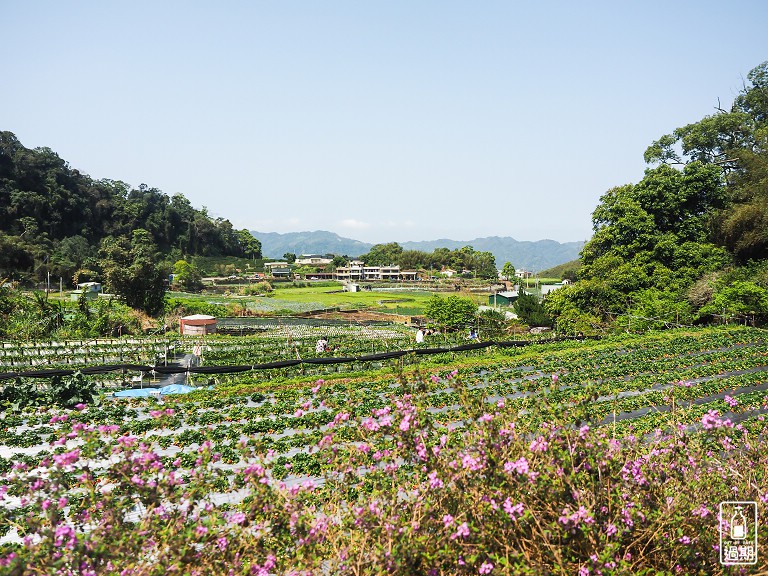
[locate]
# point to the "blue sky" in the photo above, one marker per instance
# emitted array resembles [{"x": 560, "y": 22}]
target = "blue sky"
[{"x": 380, "y": 121}]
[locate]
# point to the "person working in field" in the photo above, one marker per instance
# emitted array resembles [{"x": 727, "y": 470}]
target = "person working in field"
[{"x": 322, "y": 345}]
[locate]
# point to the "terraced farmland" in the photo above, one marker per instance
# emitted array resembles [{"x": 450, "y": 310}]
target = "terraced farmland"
[{"x": 607, "y": 456}]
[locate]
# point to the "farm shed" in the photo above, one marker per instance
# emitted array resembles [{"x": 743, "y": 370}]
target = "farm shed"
[
  {"x": 503, "y": 298},
  {"x": 90, "y": 289},
  {"x": 197, "y": 325}
]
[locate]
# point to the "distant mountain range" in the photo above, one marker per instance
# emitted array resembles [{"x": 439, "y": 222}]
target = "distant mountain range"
[{"x": 533, "y": 256}]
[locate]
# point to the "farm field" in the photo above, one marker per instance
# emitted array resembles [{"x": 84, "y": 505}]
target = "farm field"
[
  {"x": 573, "y": 457},
  {"x": 322, "y": 296}
]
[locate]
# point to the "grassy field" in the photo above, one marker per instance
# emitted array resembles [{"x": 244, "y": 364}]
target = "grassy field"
[
  {"x": 301, "y": 299},
  {"x": 330, "y": 297}
]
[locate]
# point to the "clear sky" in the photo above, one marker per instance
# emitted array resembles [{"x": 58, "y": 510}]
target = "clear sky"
[{"x": 378, "y": 120}]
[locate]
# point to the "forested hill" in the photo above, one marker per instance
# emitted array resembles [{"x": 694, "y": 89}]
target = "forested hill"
[
  {"x": 689, "y": 242},
  {"x": 53, "y": 219}
]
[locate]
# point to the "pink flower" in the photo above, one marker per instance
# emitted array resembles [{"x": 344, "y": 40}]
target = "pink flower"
[
  {"x": 581, "y": 515},
  {"x": 447, "y": 520},
  {"x": 732, "y": 402},
  {"x": 65, "y": 536},
  {"x": 520, "y": 466},
  {"x": 341, "y": 417},
  {"x": 434, "y": 481},
  {"x": 485, "y": 568},
  {"x": 514, "y": 511},
  {"x": 237, "y": 518},
  {"x": 473, "y": 463},
  {"x": 702, "y": 511},
  {"x": 127, "y": 440},
  {"x": 370, "y": 424},
  {"x": 710, "y": 420},
  {"x": 67, "y": 458},
  {"x": 539, "y": 445},
  {"x": 462, "y": 531}
]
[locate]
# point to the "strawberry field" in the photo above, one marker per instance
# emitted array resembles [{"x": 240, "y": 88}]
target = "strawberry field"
[{"x": 576, "y": 457}]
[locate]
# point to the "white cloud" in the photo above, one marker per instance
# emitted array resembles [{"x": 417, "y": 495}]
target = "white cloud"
[
  {"x": 403, "y": 224},
  {"x": 269, "y": 224},
  {"x": 354, "y": 224}
]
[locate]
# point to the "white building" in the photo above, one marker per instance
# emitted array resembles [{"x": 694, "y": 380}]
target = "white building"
[{"x": 313, "y": 260}]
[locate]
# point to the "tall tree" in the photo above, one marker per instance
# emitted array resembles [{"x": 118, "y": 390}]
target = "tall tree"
[
  {"x": 383, "y": 254},
  {"x": 131, "y": 270},
  {"x": 508, "y": 271},
  {"x": 451, "y": 311},
  {"x": 734, "y": 140},
  {"x": 250, "y": 246}
]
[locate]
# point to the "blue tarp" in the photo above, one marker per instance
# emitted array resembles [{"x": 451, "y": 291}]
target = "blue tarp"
[
  {"x": 142, "y": 392},
  {"x": 134, "y": 393},
  {"x": 175, "y": 389}
]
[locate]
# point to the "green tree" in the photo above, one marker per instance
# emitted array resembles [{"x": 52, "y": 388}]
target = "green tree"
[
  {"x": 250, "y": 246},
  {"x": 290, "y": 257},
  {"x": 484, "y": 265},
  {"x": 491, "y": 324},
  {"x": 453, "y": 311},
  {"x": 654, "y": 309},
  {"x": 531, "y": 311},
  {"x": 16, "y": 258},
  {"x": 133, "y": 270},
  {"x": 741, "y": 298},
  {"x": 187, "y": 276},
  {"x": 735, "y": 142},
  {"x": 70, "y": 255},
  {"x": 508, "y": 271},
  {"x": 383, "y": 254}
]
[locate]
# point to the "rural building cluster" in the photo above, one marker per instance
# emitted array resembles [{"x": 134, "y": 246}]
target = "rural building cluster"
[{"x": 354, "y": 271}]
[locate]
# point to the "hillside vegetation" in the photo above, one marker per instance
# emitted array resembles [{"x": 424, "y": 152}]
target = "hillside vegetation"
[
  {"x": 55, "y": 220},
  {"x": 688, "y": 243}
]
